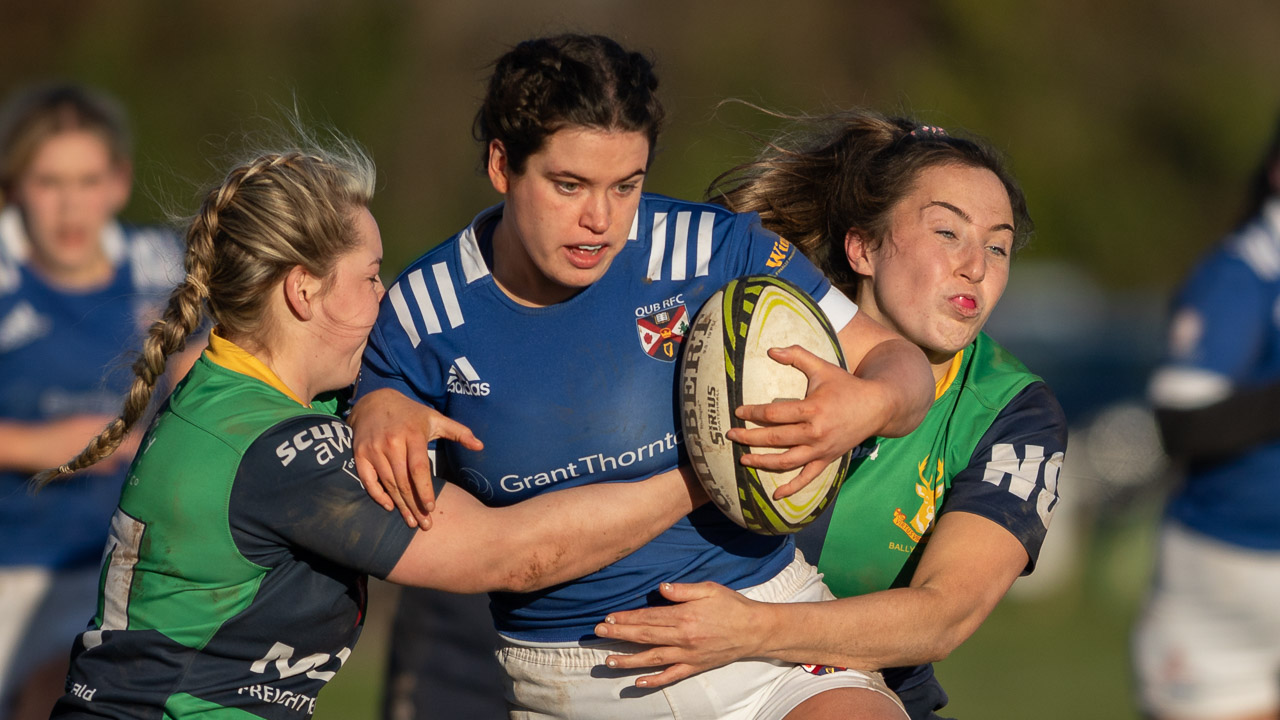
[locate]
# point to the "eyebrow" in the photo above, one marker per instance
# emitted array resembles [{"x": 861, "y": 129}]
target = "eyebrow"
[
  {"x": 965, "y": 216},
  {"x": 584, "y": 180}
]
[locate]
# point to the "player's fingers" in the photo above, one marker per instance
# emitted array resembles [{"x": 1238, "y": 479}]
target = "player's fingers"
[
  {"x": 783, "y": 437},
  {"x": 679, "y": 671},
  {"x": 787, "y": 460},
  {"x": 450, "y": 429},
  {"x": 799, "y": 358},
  {"x": 397, "y": 457},
  {"x": 780, "y": 412},
  {"x": 387, "y": 481},
  {"x": 418, "y": 462},
  {"x": 684, "y": 592},
  {"x": 799, "y": 482},
  {"x": 642, "y": 634},
  {"x": 650, "y": 616},
  {"x": 369, "y": 479},
  {"x": 650, "y": 658}
]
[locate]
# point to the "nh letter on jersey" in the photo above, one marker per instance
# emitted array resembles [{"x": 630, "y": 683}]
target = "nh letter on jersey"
[{"x": 1023, "y": 473}]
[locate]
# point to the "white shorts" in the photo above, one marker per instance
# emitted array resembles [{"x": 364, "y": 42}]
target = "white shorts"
[
  {"x": 1208, "y": 642},
  {"x": 571, "y": 681},
  {"x": 44, "y": 610}
]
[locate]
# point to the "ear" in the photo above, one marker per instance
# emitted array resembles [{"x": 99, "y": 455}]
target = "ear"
[
  {"x": 121, "y": 182},
  {"x": 855, "y": 250},
  {"x": 498, "y": 167},
  {"x": 301, "y": 292}
]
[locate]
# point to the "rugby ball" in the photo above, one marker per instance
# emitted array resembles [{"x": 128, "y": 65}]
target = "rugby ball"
[{"x": 725, "y": 364}]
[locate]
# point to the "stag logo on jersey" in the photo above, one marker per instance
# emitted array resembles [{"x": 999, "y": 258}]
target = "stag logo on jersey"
[
  {"x": 929, "y": 489},
  {"x": 464, "y": 380},
  {"x": 662, "y": 327}
]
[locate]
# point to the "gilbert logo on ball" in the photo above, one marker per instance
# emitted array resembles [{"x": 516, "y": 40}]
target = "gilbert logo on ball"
[{"x": 726, "y": 364}]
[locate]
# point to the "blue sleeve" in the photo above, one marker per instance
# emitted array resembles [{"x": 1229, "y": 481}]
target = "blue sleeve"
[
  {"x": 1012, "y": 477},
  {"x": 395, "y": 358},
  {"x": 762, "y": 252},
  {"x": 297, "y": 488},
  {"x": 1221, "y": 319}
]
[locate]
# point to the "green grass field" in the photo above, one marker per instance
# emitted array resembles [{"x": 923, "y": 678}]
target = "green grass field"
[{"x": 1057, "y": 656}]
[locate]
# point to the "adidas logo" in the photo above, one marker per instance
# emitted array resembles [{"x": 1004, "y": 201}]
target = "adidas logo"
[
  {"x": 463, "y": 379},
  {"x": 21, "y": 326}
]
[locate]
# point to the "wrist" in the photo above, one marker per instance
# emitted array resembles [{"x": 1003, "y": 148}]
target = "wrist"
[{"x": 768, "y": 630}]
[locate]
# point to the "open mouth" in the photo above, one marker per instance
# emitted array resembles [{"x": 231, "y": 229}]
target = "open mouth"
[{"x": 586, "y": 256}]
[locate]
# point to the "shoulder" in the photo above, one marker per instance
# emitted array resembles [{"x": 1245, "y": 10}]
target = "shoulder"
[
  {"x": 153, "y": 255},
  {"x": 236, "y": 409},
  {"x": 1256, "y": 245},
  {"x": 428, "y": 296},
  {"x": 1008, "y": 404},
  {"x": 459, "y": 255},
  {"x": 659, "y": 218},
  {"x": 678, "y": 239},
  {"x": 1033, "y": 414},
  {"x": 302, "y": 443},
  {"x": 13, "y": 250},
  {"x": 993, "y": 375}
]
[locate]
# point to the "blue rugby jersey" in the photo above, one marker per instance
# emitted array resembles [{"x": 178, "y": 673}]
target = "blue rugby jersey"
[
  {"x": 1225, "y": 334},
  {"x": 61, "y": 354},
  {"x": 583, "y": 391}
]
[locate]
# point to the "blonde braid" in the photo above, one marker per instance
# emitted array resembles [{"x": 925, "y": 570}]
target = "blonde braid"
[{"x": 182, "y": 316}]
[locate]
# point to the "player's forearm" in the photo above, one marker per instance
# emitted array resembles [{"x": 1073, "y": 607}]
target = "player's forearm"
[
  {"x": 891, "y": 628},
  {"x": 905, "y": 383},
  {"x": 1242, "y": 420},
  {"x": 570, "y": 533},
  {"x": 32, "y": 447},
  {"x": 967, "y": 567}
]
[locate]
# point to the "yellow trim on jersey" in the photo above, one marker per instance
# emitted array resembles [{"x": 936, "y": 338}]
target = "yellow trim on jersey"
[
  {"x": 231, "y": 356},
  {"x": 941, "y": 386}
]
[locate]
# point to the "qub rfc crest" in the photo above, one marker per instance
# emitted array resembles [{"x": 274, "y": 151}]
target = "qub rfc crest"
[{"x": 662, "y": 332}]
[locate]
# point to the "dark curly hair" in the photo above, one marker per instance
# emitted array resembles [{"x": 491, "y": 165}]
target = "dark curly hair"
[{"x": 546, "y": 84}]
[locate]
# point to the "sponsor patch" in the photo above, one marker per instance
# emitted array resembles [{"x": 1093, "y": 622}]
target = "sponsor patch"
[{"x": 779, "y": 255}]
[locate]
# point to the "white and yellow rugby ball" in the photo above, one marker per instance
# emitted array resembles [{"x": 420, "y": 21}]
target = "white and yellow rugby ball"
[{"x": 726, "y": 364}]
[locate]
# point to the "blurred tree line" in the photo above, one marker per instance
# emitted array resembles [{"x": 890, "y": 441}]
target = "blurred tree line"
[{"x": 1132, "y": 125}]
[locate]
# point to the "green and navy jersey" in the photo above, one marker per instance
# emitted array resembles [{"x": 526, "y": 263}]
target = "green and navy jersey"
[
  {"x": 992, "y": 444},
  {"x": 1225, "y": 337},
  {"x": 583, "y": 391},
  {"x": 234, "y": 575},
  {"x": 61, "y": 355}
]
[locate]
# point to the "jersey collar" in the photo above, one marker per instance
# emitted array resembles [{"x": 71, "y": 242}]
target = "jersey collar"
[
  {"x": 226, "y": 354},
  {"x": 940, "y": 388}
]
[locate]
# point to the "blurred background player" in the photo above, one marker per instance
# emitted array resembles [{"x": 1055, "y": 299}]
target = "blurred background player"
[
  {"x": 1207, "y": 644},
  {"x": 929, "y": 530},
  {"x": 76, "y": 287}
]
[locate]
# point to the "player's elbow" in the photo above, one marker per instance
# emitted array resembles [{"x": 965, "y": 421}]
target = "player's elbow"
[{"x": 953, "y": 634}]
